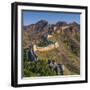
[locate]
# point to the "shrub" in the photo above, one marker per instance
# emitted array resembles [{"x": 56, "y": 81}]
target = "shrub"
[{"x": 38, "y": 68}]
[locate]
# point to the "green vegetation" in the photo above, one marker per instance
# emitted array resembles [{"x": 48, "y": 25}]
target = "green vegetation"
[
  {"x": 45, "y": 43},
  {"x": 38, "y": 68},
  {"x": 25, "y": 55}
]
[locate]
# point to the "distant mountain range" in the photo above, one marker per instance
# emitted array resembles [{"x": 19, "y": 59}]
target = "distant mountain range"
[
  {"x": 44, "y": 23},
  {"x": 42, "y": 28}
]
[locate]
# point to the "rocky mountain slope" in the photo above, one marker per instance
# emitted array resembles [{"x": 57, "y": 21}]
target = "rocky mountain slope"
[{"x": 67, "y": 36}]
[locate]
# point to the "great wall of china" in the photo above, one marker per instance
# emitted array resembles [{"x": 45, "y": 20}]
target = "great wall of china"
[{"x": 47, "y": 48}]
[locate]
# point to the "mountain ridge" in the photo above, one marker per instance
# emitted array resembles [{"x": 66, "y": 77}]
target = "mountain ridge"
[
  {"x": 66, "y": 35},
  {"x": 42, "y": 28}
]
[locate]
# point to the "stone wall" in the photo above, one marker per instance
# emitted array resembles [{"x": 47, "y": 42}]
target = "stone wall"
[{"x": 47, "y": 48}]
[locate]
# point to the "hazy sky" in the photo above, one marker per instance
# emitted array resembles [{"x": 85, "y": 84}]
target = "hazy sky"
[{"x": 31, "y": 17}]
